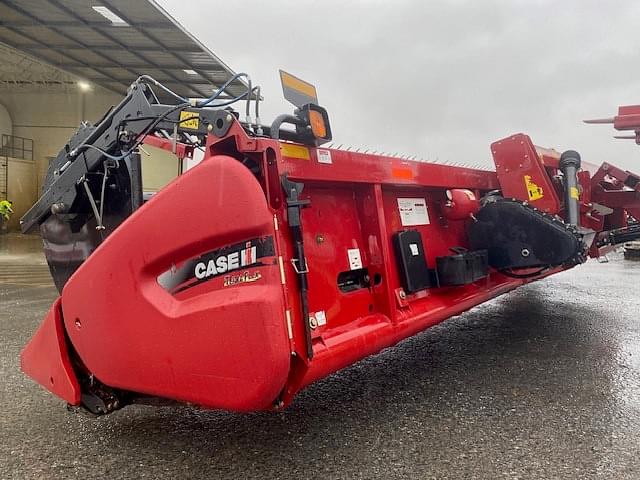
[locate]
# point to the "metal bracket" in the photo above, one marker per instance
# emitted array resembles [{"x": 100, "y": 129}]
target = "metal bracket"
[
  {"x": 299, "y": 262},
  {"x": 96, "y": 213},
  {"x": 294, "y": 263}
]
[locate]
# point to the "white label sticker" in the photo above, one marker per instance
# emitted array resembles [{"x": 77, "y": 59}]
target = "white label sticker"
[
  {"x": 321, "y": 318},
  {"x": 413, "y": 211},
  {"x": 414, "y": 249},
  {"x": 355, "y": 261},
  {"x": 324, "y": 156}
]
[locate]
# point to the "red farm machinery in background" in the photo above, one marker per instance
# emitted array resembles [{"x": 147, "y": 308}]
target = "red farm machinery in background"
[
  {"x": 627, "y": 119},
  {"x": 277, "y": 261}
]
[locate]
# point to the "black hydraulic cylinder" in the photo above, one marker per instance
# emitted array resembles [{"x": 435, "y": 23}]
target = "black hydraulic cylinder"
[{"x": 569, "y": 166}]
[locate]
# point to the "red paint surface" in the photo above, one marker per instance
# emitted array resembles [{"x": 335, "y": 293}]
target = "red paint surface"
[
  {"x": 516, "y": 157},
  {"x": 217, "y": 346},
  {"x": 46, "y": 358}
]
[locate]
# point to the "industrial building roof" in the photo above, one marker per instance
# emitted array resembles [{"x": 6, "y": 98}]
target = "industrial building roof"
[{"x": 112, "y": 42}]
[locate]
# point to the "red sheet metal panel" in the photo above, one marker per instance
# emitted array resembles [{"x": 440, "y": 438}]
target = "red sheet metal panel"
[
  {"x": 522, "y": 174},
  {"x": 216, "y": 336},
  {"x": 354, "y": 167},
  {"x": 46, "y": 358}
]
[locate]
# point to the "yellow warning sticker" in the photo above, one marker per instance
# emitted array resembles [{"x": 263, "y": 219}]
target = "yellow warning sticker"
[
  {"x": 294, "y": 151},
  {"x": 573, "y": 193},
  {"x": 189, "y": 120},
  {"x": 533, "y": 191}
]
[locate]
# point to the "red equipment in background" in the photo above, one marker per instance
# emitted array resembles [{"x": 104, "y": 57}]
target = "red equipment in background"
[
  {"x": 628, "y": 119},
  {"x": 289, "y": 261},
  {"x": 618, "y": 187}
]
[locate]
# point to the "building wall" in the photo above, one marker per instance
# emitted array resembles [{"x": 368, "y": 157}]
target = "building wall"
[
  {"x": 6, "y": 125},
  {"x": 158, "y": 168},
  {"x": 50, "y": 119},
  {"x": 21, "y": 190}
]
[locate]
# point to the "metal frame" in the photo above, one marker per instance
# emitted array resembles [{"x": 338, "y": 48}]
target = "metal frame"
[
  {"x": 157, "y": 41},
  {"x": 4, "y": 177},
  {"x": 8, "y": 147}
]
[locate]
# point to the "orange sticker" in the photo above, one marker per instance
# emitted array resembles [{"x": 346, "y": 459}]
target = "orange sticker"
[{"x": 404, "y": 173}]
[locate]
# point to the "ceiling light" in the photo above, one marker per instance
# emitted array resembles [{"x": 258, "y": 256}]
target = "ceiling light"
[
  {"x": 109, "y": 15},
  {"x": 84, "y": 86},
  {"x": 190, "y": 72}
]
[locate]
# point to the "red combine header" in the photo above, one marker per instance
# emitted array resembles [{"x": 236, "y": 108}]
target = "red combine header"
[{"x": 286, "y": 260}]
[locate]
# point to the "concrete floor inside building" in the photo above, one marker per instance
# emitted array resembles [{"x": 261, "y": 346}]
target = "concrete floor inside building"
[{"x": 543, "y": 382}]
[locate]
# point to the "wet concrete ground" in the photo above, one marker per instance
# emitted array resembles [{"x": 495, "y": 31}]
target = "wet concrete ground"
[{"x": 541, "y": 383}]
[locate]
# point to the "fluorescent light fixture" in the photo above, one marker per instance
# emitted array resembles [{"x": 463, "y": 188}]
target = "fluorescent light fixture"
[
  {"x": 109, "y": 15},
  {"x": 84, "y": 86},
  {"x": 189, "y": 71}
]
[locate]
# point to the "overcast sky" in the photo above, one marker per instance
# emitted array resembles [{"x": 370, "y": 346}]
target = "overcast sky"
[{"x": 440, "y": 79}]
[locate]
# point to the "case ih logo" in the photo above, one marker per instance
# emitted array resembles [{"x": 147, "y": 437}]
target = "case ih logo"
[
  {"x": 226, "y": 263},
  {"x": 217, "y": 262}
]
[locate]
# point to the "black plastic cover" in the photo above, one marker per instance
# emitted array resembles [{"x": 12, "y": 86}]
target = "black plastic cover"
[
  {"x": 518, "y": 236},
  {"x": 412, "y": 261},
  {"x": 462, "y": 268}
]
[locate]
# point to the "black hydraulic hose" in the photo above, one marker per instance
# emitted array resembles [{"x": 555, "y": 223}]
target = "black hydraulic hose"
[
  {"x": 257, "y": 90},
  {"x": 274, "y": 130},
  {"x": 304, "y": 294},
  {"x": 248, "y": 103}
]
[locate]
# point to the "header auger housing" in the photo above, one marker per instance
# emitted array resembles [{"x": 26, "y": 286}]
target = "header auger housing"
[{"x": 287, "y": 261}]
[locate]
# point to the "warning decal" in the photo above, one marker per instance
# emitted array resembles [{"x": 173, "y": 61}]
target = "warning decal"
[
  {"x": 355, "y": 260},
  {"x": 413, "y": 211},
  {"x": 534, "y": 192},
  {"x": 189, "y": 120},
  {"x": 574, "y": 193},
  {"x": 324, "y": 156}
]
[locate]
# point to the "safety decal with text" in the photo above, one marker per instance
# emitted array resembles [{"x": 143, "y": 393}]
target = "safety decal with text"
[
  {"x": 413, "y": 211},
  {"x": 355, "y": 259},
  {"x": 534, "y": 192},
  {"x": 220, "y": 262},
  {"x": 190, "y": 120},
  {"x": 324, "y": 156}
]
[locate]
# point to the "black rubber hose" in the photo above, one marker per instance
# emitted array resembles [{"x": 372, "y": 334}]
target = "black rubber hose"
[{"x": 274, "y": 130}]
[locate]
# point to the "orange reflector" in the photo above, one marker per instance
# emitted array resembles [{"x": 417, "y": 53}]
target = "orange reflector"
[
  {"x": 294, "y": 151},
  {"x": 404, "y": 173},
  {"x": 318, "y": 127}
]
